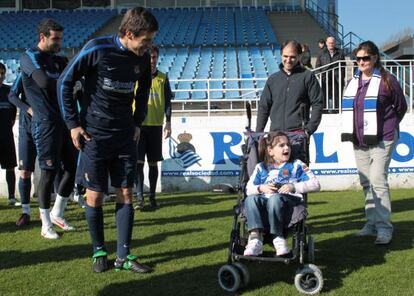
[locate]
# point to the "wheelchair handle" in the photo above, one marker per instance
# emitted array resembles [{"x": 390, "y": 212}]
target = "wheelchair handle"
[{"x": 249, "y": 116}]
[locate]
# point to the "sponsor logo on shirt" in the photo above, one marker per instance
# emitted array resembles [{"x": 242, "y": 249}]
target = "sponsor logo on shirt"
[{"x": 118, "y": 86}]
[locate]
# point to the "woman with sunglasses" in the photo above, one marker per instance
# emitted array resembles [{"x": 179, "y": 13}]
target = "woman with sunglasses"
[{"x": 373, "y": 106}]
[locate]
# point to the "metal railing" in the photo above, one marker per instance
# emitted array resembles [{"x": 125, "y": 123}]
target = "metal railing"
[
  {"x": 331, "y": 25},
  {"x": 332, "y": 79},
  {"x": 216, "y": 99}
]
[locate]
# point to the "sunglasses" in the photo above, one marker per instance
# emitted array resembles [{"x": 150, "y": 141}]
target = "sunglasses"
[{"x": 364, "y": 58}]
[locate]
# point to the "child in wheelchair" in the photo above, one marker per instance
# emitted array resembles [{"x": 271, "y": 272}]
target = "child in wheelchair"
[{"x": 275, "y": 187}]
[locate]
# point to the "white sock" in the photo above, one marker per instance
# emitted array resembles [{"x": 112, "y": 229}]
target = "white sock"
[
  {"x": 59, "y": 206},
  {"x": 26, "y": 209},
  {"x": 256, "y": 235},
  {"x": 45, "y": 218},
  {"x": 76, "y": 197}
]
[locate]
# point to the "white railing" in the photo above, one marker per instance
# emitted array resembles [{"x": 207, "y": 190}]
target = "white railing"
[
  {"x": 334, "y": 77},
  {"x": 214, "y": 99},
  {"x": 217, "y": 99}
]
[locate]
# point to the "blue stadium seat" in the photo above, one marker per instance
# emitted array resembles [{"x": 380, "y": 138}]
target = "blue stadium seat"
[
  {"x": 199, "y": 95},
  {"x": 20, "y": 27}
]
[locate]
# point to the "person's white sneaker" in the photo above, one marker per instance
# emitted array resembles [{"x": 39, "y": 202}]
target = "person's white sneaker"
[
  {"x": 49, "y": 233},
  {"x": 281, "y": 246},
  {"x": 61, "y": 222},
  {"x": 254, "y": 248},
  {"x": 14, "y": 202}
]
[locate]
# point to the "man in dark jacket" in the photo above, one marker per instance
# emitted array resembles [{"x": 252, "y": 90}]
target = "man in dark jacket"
[
  {"x": 287, "y": 98},
  {"x": 332, "y": 78}
]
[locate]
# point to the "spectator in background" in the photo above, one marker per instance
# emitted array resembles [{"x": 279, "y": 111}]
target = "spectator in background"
[
  {"x": 373, "y": 107},
  {"x": 7, "y": 148},
  {"x": 321, "y": 44},
  {"x": 288, "y": 98},
  {"x": 333, "y": 75},
  {"x": 305, "y": 57},
  {"x": 150, "y": 140}
]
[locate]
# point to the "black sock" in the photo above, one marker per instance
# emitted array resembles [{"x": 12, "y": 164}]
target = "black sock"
[
  {"x": 124, "y": 214},
  {"x": 94, "y": 217},
  {"x": 11, "y": 183},
  {"x": 153, "y": 177},
  {"x": 140, "y": 180},
  {"x": 45, "y": 188},
  {"x": 25, "y": 184}
]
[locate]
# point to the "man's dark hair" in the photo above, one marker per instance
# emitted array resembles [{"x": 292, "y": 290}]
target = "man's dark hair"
[
  {"x": 321, "y": 40},
  {"x": 293, "y": 43},
  {"x": 155, "y": 49},
  {"x": 46, "y": 25},
  {"x": 2, "y": 66},
  {"x": 138, "y": 19}
]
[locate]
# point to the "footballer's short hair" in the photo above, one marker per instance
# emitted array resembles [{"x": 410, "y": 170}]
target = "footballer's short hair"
[
  {"x": 138, "y": 19},
  {"x": 46, "y": 25}
]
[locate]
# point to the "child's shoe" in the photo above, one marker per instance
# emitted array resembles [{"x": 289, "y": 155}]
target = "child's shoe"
[
  {"x": 281, "y": 246},
  {"x": 254, "y": 247}
]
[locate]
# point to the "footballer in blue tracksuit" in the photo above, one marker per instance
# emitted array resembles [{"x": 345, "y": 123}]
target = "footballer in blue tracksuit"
[
  {"x": 40, "y": 68},
  {"x": 106, "y": 130},
  {"x": 7, "y": 148},
  {"x": 27, "y": 148}
]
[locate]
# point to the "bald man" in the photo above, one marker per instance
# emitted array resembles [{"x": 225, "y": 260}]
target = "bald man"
[{"x": 333, "y": 80}]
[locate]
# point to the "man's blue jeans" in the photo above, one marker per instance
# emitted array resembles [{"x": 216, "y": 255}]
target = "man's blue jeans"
[{"x": 272, "y": 214}]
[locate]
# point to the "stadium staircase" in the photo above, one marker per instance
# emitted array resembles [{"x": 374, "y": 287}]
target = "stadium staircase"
[{"x": 298, "y": 25}]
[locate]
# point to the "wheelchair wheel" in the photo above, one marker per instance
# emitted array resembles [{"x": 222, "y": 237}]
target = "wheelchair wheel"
[
  {"x": 244, "y": 272},
  {"x": 229, "y": 278},
  {"x": 309, "y": 280},
  {"x": 311, "y": 249}
]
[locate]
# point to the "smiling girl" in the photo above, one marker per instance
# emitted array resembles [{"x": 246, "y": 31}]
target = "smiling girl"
[{"x": 274, "y": 188}]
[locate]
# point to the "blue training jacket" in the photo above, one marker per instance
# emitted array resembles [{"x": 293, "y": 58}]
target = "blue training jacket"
[{"x": 109, "y": 71}]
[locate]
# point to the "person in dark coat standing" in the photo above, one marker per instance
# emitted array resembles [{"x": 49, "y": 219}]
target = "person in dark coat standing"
[{"x": 332, "y": 76}]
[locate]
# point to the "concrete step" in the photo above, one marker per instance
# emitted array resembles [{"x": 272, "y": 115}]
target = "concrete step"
[{"x": 300, "y": 26}]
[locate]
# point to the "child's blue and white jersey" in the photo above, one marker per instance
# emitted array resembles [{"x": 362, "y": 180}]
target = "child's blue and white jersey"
[{"x": 296, "y": 173}]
